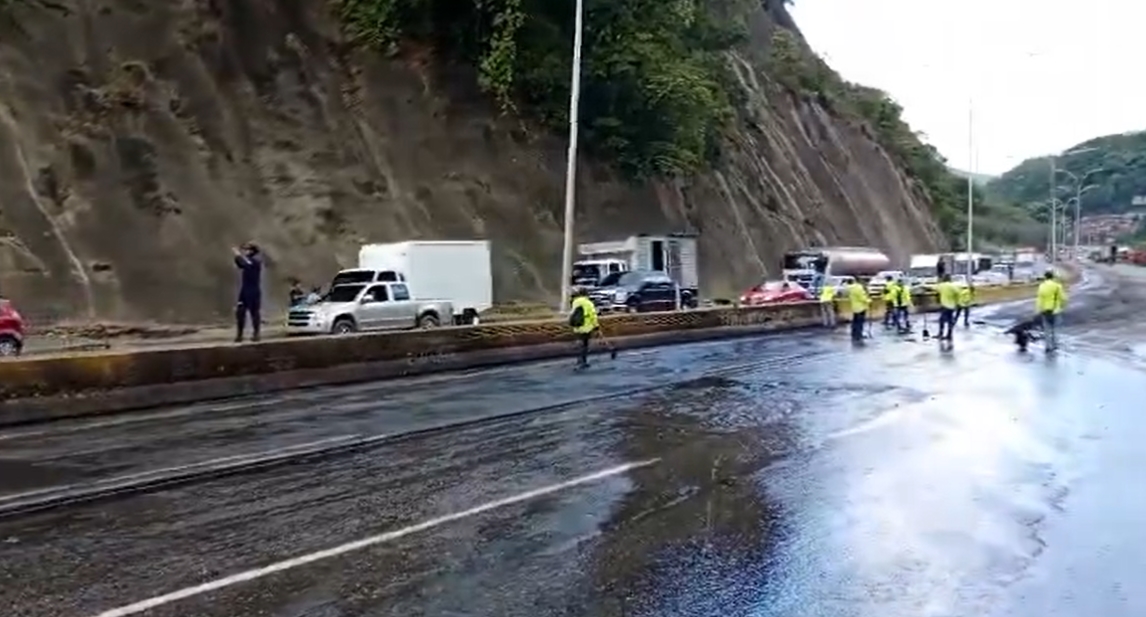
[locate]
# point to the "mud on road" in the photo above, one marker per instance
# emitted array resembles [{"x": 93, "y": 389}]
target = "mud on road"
[{"x": 788, "y": 476}]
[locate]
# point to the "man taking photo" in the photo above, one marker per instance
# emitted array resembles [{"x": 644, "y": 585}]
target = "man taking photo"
[{"x": 250, "y": 265}]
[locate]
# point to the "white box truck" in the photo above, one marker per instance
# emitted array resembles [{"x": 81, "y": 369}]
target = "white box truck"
[
  {"x": 458, "y": 271},
  {"x": 673, "y": 254}
]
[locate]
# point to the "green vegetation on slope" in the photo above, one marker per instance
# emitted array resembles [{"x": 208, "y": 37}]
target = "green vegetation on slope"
[
  {"x": 1121, "y": 159},
  {"x": 655, "y": 87}
]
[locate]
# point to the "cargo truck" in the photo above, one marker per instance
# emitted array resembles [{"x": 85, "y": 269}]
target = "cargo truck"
[
  {"x": 455, "y": 272},
  {"x": 809, "y": 267},
  {"x": 675, "y": 255}
]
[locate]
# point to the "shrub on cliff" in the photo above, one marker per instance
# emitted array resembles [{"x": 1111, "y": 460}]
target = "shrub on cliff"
[{"x": 653, "y": 98}]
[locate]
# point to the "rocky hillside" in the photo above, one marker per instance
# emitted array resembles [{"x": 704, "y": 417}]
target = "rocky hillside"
[{"x": 140, "y": 140}]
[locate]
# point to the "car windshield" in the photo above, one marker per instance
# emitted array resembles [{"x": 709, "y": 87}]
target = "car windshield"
[
  {"x": 804, "y": 261},
  {"x": 352, "y": 276},
  {"x": 343, "y": 293},
  {"x": 924, "y": 272},
  {"x": 611, "y": 279},
  {"x": 586, "y": 272}
]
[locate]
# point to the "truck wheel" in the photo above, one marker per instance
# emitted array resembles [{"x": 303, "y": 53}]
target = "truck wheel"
[
  {"x": 9, "y": 346},
  {"x": 429, "y": 320},
  {"x": 343, "y": 325},
  {"x": 469, "y": 317}
]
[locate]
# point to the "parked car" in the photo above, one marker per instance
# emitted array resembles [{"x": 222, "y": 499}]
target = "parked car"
[
  {"x": 775, "y": 292},
  {"x": 990, "y": 277},
  {"x": 379, "y": 306},
  {"x": 11, "y": 329},
  {"x": 636, "y": 291},
  {"x": 878, "y": 282}
]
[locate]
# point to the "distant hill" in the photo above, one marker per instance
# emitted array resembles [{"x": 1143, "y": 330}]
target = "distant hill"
[
  {"x": 1116, "y": 164},
  {"x": 980, "y": 179}
]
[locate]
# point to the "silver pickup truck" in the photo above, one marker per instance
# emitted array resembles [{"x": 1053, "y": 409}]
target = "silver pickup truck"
[{"x": 373, "y": 306}]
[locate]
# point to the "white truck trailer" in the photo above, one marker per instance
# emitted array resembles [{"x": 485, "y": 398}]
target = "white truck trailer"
[{"x": 457, "y": 271}]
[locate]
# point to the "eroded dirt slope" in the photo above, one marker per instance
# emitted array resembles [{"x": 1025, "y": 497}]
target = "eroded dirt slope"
[{"x": 140, "y": 140}]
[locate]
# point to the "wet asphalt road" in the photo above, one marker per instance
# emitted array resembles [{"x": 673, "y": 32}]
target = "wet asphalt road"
[{"x": 783, "y": 476}]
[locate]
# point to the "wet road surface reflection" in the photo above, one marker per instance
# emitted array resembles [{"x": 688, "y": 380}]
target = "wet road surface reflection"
[{"x": 788, "y": 477}]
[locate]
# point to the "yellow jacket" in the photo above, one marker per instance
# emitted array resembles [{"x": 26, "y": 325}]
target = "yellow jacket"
[
  {"x": 948, "y": 295},
  {"x": 890, "y": 292},
  {"x": 828, "y": 294},
  {"x": 1051, "y": 297},
  {"x": 966, "y": 296},
  {"x": 589, "y": 313},
  {"x": 858, "y": 298},
  {"x": 903, "y": 298}
]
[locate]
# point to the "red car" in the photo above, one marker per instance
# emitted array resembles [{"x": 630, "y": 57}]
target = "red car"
[
  {"x": 11, "y": 329},
  {"x": 775, "y": 292}
]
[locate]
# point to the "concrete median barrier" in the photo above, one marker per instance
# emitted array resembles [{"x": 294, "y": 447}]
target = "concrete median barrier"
[{"x": 47, "y": 387}]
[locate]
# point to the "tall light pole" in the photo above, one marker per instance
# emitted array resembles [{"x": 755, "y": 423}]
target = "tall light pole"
[
  {"x": 571, "y": 166},
  {"x": 1080, "y": 188},
  {"x": 1053, "y": 196},
  {"x": 1053, "y": 213},
  {"x": 1078, "y": 204},
  {"x": 970, "y": 185}
]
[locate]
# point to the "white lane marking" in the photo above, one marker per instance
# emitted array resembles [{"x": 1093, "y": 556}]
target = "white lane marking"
[
  {"x": 167, "y": 470},
  {"x": 302, "y": 560}
]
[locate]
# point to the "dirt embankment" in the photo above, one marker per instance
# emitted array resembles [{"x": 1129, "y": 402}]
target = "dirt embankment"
[{"x": 140, "y": 140}]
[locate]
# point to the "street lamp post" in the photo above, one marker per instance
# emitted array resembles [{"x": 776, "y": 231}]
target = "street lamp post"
[
  {"x": 1078, "y": 204},
  {"x": 1053, "y": 174},
  {"x": 571, "y": 165},
  {"x": 1080, "y": 189},
  {"x": 970, "y": 186}
]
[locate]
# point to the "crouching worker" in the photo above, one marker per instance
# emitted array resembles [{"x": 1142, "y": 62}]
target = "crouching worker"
[
  {"x": 583, "y": 320},
  {"x": 1023, "y": 331}
]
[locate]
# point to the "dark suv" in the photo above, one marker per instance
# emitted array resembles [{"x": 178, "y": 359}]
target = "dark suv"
[{"x": 636, "y": 292}]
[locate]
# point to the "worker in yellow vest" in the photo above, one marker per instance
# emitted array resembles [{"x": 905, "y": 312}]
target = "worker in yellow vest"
[
  {"x": 858, "y": 302},
  {"x": 966, "y": 299},
  {"x": 903, "y": 304},
  {"x": 828, "y": 305},
  {"x": 948, "y": 304},
  {"x": 583, "y": 320},
  {"x": 1050, "y": 300},
  {"x": 890, "y": 295}
]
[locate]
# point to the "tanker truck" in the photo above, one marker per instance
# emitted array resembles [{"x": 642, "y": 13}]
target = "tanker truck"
[{"x": 809, "y": 267}]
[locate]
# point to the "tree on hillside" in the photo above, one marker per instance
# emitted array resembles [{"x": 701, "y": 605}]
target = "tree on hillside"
[{"x": 1121, "y": 159}]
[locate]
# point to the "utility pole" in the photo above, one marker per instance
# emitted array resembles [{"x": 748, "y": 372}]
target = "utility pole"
[
  {"x": 571, "y": 168},
  {"x": 1053, "y": 214},
  {"x": 970, "y": 186}
]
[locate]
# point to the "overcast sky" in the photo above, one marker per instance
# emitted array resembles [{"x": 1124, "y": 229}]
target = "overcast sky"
[{"x": 1042, "y": 75}]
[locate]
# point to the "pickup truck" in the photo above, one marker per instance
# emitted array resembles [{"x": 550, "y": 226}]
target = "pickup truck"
[{"x": 367, "y": 306}]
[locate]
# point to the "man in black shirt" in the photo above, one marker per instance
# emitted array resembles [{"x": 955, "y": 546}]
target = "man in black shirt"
[{"x": 250, "y": 265}]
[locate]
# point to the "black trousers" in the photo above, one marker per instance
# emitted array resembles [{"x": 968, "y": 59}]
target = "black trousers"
[
  {"x": 859, "y": 320},
  {"x": 583, "y": 339},
  {"x": 243, "y": 309}
]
